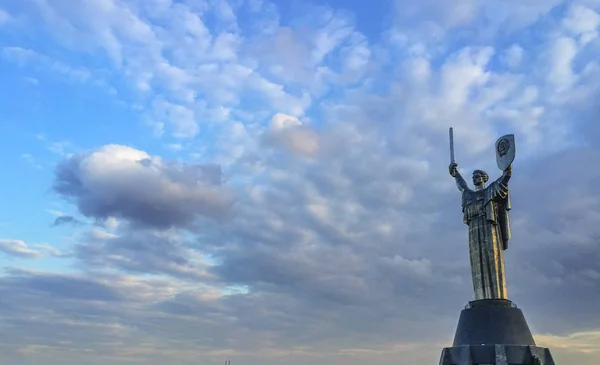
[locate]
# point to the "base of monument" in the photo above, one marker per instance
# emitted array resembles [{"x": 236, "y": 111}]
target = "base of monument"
[
  {"x": 496, "y": 355},
  {"x": 494, "y": 332}
]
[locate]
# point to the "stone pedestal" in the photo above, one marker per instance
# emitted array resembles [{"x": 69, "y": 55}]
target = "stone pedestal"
[{"x": 494, "y": 332}]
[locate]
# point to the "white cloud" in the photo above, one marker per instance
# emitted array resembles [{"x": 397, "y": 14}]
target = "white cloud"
[
  {"x": 189, "y": 71},
  {"x": 175, "y": 146},
  {"x": 582, "y": 22},
  {"x": 18, "y": 54},
  {"x": 562, "y": 53},
  {"x": 462, "y": 72},
  {"x": 182, "y": 118},
  {"x": 24, "y": 56},
  {"x": 447, "y": 14},
  {"x": 18, "y": 248},
  {"x": 21, "y": 249},
  {"x": 514, "y": 55},
  {"x": 163, "y": 253},
  {"x": 281, "y": 122},
  {"x": 56, "y": 213},
  {"x": 61, "y": 148},
  {"x": 142, "y": 188},
  {"x": 289, "y": 132},
  {"x": 357, "y": 54},
  {"x": 31, "y": 160}
]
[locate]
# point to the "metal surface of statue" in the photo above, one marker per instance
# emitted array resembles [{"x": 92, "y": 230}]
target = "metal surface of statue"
[
  {"x": 491, "y": 329},
  {"x": 485, "y": 211}
]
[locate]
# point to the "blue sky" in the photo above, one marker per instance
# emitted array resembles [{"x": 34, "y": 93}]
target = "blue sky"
[{"x": 267, "y": 181}]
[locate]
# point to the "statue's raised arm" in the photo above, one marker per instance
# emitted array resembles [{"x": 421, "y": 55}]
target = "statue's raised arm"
[
  {"x": 460, "y": 181},
  {"x": 506, "y": 174}
]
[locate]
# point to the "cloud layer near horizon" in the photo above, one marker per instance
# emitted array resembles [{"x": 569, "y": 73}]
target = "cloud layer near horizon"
[{"x": 307, "y": 213}]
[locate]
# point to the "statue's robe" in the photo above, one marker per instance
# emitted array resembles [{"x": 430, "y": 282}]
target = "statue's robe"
[{"x": 486, "y": 213}]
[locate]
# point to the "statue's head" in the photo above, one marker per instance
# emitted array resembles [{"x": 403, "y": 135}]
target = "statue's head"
[{"x": 480, "y": 177}]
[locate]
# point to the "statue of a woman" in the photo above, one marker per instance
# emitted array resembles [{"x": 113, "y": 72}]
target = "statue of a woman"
[{"x": 485, "y": 211}]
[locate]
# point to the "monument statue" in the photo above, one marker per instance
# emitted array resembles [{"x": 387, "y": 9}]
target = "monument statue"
[
  {"x": 485, "y": 211},
  {"x": 491, "y": 329}
]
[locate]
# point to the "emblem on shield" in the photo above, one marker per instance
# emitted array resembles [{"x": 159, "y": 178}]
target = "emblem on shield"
[{"x": 505, "y": 151}]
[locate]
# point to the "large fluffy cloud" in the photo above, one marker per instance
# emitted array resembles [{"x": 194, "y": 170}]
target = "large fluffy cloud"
[
  {"x": 346, "y": 241},
  {"x": 122, "y": 182}
]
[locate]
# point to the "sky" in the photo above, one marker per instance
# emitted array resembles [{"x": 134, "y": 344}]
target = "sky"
[{"x": 266, "y": 182}]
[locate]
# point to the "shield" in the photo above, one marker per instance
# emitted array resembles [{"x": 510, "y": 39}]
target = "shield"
[{"x": 505, "y": 151}]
